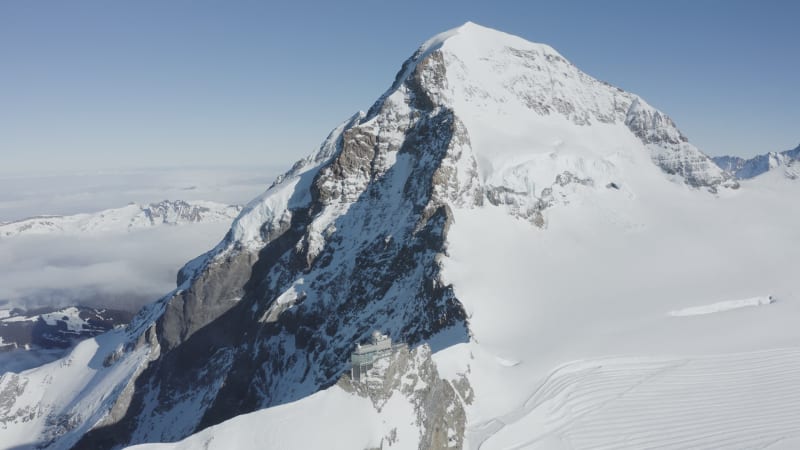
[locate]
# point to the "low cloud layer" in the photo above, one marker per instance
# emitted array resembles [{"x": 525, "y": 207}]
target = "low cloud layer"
[{"x": 115, "y": 270}]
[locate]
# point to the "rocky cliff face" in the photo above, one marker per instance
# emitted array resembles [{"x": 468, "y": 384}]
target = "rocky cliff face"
[
  {"x": 672, "y": 151},
  {"x": 411, "y": 376},
  {"x": 344, "y": 244},
  {"x": 351, "y": 238}
]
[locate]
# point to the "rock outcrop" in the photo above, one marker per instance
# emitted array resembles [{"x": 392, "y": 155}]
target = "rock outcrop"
[{"x": 438, "y": 407}]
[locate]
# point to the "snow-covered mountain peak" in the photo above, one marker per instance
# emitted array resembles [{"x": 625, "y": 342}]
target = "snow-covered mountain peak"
[
  {"x": 517, "y": 99},
  {"x": 469, "y": 37},
  {"x": 489, "y": 68},
  {"x": 482, "y": 39},
  {"x": 516, "y": 118}
]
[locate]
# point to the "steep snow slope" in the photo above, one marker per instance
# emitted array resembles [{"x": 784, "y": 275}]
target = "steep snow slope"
[
  {"x": 290, "y": 426},
  {"x": 128, "y": 218},
  {"x": 531, "y": 114},
  {"x": 504, "y": 208}
]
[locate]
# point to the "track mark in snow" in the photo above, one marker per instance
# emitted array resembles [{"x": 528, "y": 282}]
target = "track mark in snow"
[
  {"x": 722, "y": 306},
  {"x": 506, "y": 362},
  {"x": 746, "y": 400}
]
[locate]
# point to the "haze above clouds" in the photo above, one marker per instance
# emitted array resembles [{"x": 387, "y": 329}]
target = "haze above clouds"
[{"x": 64, "y": 193}]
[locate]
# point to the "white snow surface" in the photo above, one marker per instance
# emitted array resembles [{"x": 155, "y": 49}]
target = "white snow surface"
[
  {"x": 305, "y": 424},
  {"x": 743, "y": 400}
]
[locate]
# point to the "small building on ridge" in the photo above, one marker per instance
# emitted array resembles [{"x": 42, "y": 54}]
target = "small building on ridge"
[{"x": 364, "y": 356}]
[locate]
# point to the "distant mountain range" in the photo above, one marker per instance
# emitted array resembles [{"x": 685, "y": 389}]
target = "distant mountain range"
[
  {"x": 744, "y": 168},
  {"x": 130, "y": 217}
]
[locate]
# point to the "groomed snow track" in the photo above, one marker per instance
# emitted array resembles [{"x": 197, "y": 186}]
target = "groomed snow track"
[{"x": 744, "y": 400}]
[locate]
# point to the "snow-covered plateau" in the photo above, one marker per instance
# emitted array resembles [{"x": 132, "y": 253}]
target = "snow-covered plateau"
[{"x": 567, "y": 270}]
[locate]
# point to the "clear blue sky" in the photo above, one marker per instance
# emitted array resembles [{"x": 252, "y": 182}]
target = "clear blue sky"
[{"x": 99, "y": 84}]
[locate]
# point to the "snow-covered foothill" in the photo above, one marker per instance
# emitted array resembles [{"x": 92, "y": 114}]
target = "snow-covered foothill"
[{"x": 56, "y": 403}]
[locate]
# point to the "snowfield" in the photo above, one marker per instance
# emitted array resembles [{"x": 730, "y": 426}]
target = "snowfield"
[
  {"x": 744, "y": 400},
  {"x": 599, "y": 282},
  {"x": 303, "y": 424}
]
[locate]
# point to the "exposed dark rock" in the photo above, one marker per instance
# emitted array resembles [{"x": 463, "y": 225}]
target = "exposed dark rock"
[{"x": 253, "y": 331}]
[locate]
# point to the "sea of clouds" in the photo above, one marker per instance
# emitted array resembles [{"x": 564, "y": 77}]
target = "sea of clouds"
[{"x": 110, "y": 269}]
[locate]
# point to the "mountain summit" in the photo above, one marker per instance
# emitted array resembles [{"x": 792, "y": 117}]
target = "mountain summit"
[{"x": 497, "y": 210}]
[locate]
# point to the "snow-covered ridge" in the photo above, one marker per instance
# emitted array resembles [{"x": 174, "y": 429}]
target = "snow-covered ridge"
[
  {"x": 749, "y": 168},
  {"x": 130, "y": 217}
]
